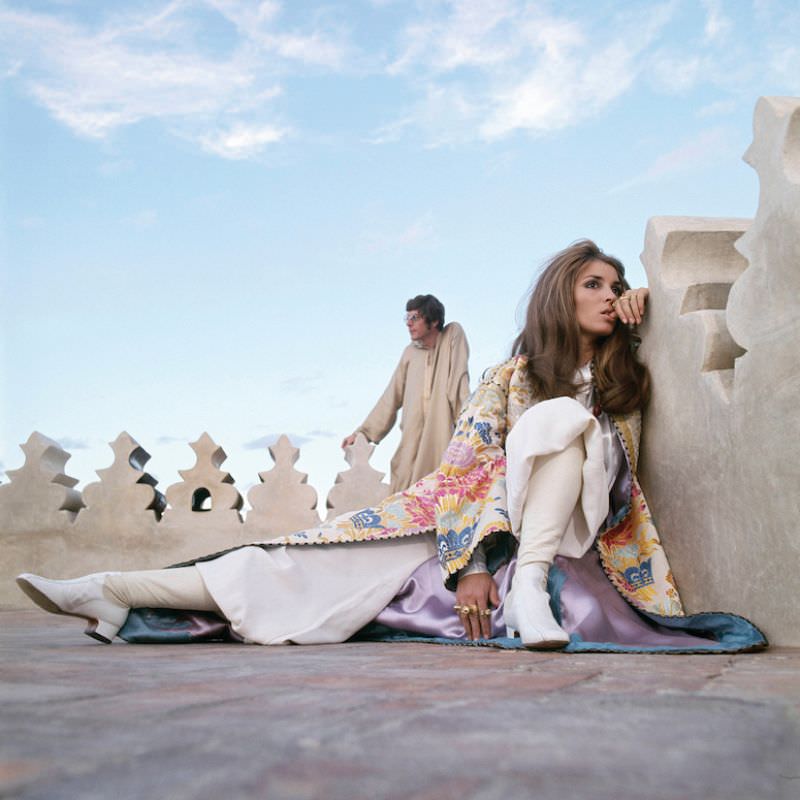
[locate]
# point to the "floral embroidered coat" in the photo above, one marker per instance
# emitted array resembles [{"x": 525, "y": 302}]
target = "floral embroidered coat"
[{"x": 464, "y": 500}]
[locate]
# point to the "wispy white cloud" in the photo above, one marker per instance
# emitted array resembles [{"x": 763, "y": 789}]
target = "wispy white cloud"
[
  {"x": 785, "y": 65},
  {"x": 257, "y": 23},
  {"x": 73, "y": 443},
  {"x": 391, "y": 131},
  {"x": 322, "y": 434},
  {"x": 487, "y": 70},
  {"x": 314, "y": 49},
  {"x": 563, "y": 89},
  {"x": 473, "y": 34},
  {"x": 241, "y": 140},
  {"x": 218, "y": 72},
  {"x": 135, "y": 66},
  {"x": 717, "y": 24},
  {"x": 705, "y": 148},
  {"x": 172, "y": 440}
]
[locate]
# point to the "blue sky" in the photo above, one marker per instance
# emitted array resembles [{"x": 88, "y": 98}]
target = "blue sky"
[{"x": 213, "y": 211}]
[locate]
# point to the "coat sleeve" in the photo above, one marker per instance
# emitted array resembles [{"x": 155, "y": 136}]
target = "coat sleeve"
[
  {"x": 469, "y": 501},
  {"x": 381, "y": 419},
  {"x": 458, "y": 379}
]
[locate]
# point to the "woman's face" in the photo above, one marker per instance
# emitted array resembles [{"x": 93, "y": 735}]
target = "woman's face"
[{"x": 596, "y": 288}]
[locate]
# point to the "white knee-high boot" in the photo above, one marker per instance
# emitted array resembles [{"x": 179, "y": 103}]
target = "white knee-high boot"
[
  {"x": 105, "y": 598},
  {"x": 82, "y": 597},
  {"x": 181, "y": 588},
  {"x": 553, "y": 491}
]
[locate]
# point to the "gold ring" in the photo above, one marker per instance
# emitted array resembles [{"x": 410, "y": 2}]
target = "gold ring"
[{"x": 487, "y": 612}]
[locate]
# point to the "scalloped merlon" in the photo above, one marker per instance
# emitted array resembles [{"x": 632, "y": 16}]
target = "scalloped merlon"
[
  {"x": 124, "y": 486},
  {"x": 204, "y": 480},
  {"x": 283, "y": 501},
  {"x": 41, "y": 479},
  {"x": 361, "y": 485}
]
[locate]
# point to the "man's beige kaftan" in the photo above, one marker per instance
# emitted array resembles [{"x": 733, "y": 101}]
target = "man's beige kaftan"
[{"x": 431, "y": 385}]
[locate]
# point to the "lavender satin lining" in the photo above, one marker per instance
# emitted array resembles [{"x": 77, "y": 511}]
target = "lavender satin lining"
[
  {"x": 590, "y": 607},
  {"x": 425, "y": 606}
]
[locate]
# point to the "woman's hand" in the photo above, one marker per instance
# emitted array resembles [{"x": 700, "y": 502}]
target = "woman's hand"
[
  {"x": 630, "y": 305},
  {"x": 478, "y": 593},
  {"x": 349, "y": 441}
]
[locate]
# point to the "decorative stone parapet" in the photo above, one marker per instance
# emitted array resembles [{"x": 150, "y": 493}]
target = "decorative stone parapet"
[
  {"x": 123, "y": 522},
  {"x": 721, "y": 443}
]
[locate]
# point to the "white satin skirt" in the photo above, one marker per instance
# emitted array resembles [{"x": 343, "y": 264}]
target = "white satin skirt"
[{"x": 310, "y": 594}]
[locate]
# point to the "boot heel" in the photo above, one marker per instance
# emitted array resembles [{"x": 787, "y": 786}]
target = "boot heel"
[{"x": 101, "y": 630}]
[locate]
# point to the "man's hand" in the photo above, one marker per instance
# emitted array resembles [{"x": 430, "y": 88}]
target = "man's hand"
[
  {"x": 477, "y": 591},
  {"x": 348, "y": 440}
]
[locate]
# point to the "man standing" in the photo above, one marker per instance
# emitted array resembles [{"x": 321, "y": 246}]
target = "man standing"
[{"x": 430, "y": 384}]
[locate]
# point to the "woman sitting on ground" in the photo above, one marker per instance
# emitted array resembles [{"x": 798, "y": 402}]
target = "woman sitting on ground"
[{"x": 541, "y": 467}]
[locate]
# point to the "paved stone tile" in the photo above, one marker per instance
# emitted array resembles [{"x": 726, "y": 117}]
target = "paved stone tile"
[{"x": 405, "y": 721}]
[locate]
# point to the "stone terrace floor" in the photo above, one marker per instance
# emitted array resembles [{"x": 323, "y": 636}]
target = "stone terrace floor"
[{"x": 406, "y": 721}]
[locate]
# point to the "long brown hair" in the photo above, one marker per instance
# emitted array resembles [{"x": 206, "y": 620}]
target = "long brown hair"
[{"x": 551, "y": 338}]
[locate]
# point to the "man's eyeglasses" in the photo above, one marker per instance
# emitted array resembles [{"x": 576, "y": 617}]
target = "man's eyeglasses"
[{"x": 412, "y": 316}]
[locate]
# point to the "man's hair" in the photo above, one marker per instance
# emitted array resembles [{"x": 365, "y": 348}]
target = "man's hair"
[{"x": 429, "y": 307}]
